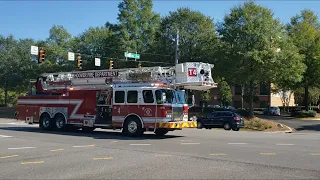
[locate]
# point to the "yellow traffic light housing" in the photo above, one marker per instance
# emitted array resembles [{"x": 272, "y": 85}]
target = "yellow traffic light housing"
[
  {"x": 111, "y": 64},
  {"x": 41, "y": 57},
  {"x": 79, "y": 62}
]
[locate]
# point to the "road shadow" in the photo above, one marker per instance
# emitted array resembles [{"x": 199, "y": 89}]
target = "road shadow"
[
  {"x": 313, "y": 127},
  {"x": 94, "y": 134}
]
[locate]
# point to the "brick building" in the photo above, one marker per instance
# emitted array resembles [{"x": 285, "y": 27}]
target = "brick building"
[{"x": 262, "y": 91}]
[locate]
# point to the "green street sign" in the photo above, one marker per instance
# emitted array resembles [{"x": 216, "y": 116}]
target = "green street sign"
[{"x": 132, "y": 55}]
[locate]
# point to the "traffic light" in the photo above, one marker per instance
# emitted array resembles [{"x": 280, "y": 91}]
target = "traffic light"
[
  {"x": 41, "y": 57},
  {"x": 139, "y": 65},
  {"x": 111, "y": 64},
  {"x": 79, "y": 62}
]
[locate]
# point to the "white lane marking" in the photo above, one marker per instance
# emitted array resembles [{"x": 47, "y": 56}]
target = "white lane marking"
[
  {"x": 34, "y": 162},
  {"x": 4, "y": 136},
  {"x": 237, "y": 143},
  {"x": 285, "y": 144},
  {"x": 85, "y": 146},
  {"x": 23, "y": 148},
  {"x": 218, "y": 154},
  {"x": 54, "y": 150},
  {"x": 162, "y": 155},
  {"x": 268, "y": 154},
  {"x": 140, "y": 144},
  {"x": 189, "y": 143}
]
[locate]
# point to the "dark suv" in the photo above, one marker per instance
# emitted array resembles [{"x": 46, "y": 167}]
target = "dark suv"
[{"x": 218, "y": 119}]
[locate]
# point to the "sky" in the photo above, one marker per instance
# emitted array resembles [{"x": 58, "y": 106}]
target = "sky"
[{"x": 33, "y": 19}]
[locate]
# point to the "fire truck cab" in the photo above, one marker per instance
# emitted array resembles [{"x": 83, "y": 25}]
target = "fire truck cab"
[{"x": 114, "y": 99}]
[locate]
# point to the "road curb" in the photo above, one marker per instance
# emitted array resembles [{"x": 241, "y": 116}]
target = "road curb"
[{"x": 291, "y": 130}]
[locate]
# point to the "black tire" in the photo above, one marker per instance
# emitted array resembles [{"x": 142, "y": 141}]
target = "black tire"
[
  {"x": 60, "y": 123},
  {"x": 235, "y": 129},
  {"x": 226, "y": 126},
  {"x": 88, "y": 129},
  {"x": 199, "y": 125},
  {"x": 161, "y": 132},
  {"x": 45, "y": 122},
  {"x": 133, "y": 127}
]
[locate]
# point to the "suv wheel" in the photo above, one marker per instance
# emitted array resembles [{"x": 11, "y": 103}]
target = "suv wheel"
[
  {"x": 199, "y": 125},
  {"x": 226, "y": 126},
  {"x": 236, "y": 129}
]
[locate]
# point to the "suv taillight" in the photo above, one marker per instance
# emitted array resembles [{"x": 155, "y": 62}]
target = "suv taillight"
[{"x": 236, "y": 119}]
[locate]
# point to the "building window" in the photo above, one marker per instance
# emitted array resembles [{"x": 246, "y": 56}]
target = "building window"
[
  {"x": 263, "y": 104},
  {"x": 237, "y": 89},
  {"x": 264, "y": 89}
]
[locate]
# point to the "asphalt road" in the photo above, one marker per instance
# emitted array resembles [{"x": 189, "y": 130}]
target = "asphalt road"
[
  {"x": 297, "y": 124},
  {"x": 26, "y": 152}
]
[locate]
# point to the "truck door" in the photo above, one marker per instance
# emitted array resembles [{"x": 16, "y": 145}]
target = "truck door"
[
  {"x": 103, "y": 107},
  {"x": 119, "y": 111},
  {"x": 148, "y": 108}
]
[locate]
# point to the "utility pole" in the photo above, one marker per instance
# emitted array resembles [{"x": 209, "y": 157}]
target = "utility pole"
[{"x": 177, "y": 47}]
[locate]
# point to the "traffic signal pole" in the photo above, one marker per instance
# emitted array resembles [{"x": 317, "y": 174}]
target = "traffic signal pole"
[{"x": 177, "y": 48}]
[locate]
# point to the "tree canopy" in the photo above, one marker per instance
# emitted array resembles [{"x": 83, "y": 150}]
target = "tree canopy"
[{"x": 249, "y": 47}]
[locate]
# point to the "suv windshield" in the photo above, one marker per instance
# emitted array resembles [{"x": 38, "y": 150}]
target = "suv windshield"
[{"x": 172, "y": 96}]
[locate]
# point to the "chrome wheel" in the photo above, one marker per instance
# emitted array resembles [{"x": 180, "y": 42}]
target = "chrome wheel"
[
  {"x": 60, "y": 123},
  {"x": 132, "y": 127},
  {"x": 46, "y": 122}
]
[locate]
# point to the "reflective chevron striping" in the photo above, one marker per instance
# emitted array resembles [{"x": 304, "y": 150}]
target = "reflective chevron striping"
[{"x": 177, "y": 125}]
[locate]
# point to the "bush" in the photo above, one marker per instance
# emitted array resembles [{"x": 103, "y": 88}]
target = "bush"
[
  {"x": 256, "y": 125},
  {"x": 310, "y": 113},
  {"x": 242, "y": 112}
]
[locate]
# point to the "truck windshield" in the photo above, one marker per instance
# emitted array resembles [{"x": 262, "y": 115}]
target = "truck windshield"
[{"x": 172, "y": 96}]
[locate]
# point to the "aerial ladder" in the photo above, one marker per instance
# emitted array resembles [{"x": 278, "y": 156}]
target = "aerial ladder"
[{"x": 189, "y": 75}]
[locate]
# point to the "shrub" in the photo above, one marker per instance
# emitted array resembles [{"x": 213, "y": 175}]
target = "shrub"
[
  {"x": 304, "y": 113},
  {"x": 243, "y": 112},
  {"x": 257, "y": 124}
]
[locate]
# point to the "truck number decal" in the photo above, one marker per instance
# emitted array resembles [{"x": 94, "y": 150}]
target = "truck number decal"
[{"x": 192, "y": 71}]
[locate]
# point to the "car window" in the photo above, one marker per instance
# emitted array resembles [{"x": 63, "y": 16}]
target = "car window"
[
  {"x": 237, "y": 115},
  {"x": 211, "y": 115},
  {"x": 227, "y": 114}
]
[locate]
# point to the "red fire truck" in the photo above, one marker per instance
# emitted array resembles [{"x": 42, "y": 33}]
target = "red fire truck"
[{"x": 134, "y": 100}]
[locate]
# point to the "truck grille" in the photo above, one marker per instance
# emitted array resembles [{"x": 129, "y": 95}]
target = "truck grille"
[{"x": 177, "y": 113}]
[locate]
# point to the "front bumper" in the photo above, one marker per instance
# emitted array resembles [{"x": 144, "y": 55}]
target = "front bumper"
[
  {"x": 178, "y": 125},
  {"x": 238, "y": 125}
]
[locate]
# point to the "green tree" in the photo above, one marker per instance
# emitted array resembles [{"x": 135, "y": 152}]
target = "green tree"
[
  {"x": 205, "y": 97},
  {"x": 304, "y": 29},
  {"x": 138, "y": 24},
  {"x": 56, "y": 46},
  {"x": 14, "y": 64},
  {"x": 197, "y": 37},
  {"x": 97, "y": 42},
  {"x": 249, "y": 52},
  {"x": 224, "y": 95}
]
